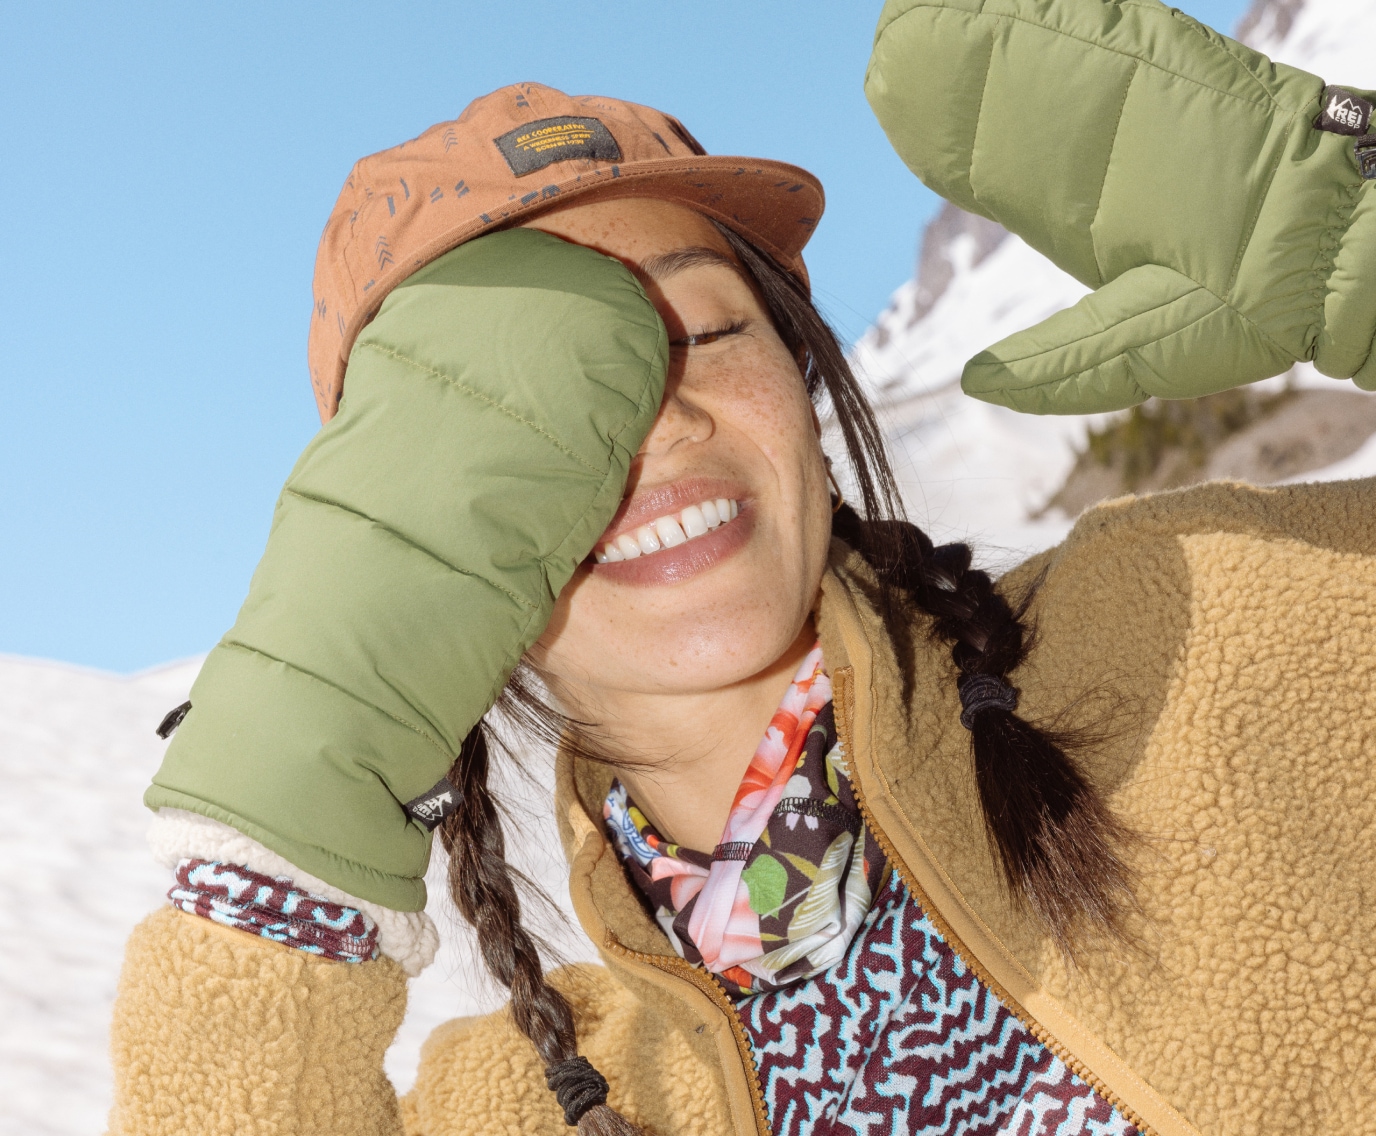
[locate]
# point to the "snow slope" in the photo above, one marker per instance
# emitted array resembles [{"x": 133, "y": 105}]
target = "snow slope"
[
  {"x": 975, "y": 471},
  {"x": 77, "y": 750}
]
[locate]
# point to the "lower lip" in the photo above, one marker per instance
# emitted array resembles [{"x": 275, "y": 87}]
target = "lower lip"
[{"x": 683, "y": 562}]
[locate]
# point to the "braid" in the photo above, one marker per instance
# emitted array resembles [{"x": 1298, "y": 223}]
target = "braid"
[
  {"x": 484, "y": 889},
  {"x": 1054, "y": 836},
  {"x": 1056, "y": 840}
]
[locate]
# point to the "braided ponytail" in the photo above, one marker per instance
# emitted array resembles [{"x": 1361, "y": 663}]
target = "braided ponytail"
[
  {"x": 483, "y": 885},
  {"x": 1055, "y": 838}
]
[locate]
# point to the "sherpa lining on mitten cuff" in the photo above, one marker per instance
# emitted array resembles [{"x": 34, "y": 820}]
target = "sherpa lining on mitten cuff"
[{"x": 408, "y": 937}]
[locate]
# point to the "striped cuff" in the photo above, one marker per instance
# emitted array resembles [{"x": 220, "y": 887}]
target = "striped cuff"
[
  {"x": 273, "y": 908},
  {"x": 407, "y": 937}
]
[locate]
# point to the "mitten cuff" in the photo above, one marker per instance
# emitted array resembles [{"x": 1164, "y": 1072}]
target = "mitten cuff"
[{"x": 407, "y": 937}]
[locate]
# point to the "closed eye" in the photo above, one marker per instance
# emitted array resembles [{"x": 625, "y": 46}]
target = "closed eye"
[{"x": 702, "y": 338}]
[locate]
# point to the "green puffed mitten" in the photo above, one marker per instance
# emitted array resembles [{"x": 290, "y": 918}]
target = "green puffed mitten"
[
  {"x": 490, "y": 415},
  {"x": 1179, "y": 174}
]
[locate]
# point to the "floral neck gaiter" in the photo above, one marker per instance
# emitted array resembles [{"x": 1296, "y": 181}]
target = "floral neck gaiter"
[{"x": 784, "y": 892}]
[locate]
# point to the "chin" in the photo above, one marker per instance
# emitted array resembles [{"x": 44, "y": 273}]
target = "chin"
[{"x": 725, "y": 639}]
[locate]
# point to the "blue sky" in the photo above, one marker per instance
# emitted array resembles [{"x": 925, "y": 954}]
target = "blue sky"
[{"x": 170, "y": 168}]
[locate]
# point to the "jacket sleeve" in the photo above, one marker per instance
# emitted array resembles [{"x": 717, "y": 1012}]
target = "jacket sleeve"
[
  {"x": 221, "y": 1033},
  {"x": 1216, "y": 201},
  {"x": 481, "y": 1076}
]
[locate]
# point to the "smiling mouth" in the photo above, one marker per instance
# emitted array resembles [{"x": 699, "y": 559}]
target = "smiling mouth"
[{"x": 670, "y": 530}]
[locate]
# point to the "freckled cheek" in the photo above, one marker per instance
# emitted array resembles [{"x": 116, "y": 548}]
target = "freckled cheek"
[{"x": 762, "y": 395}]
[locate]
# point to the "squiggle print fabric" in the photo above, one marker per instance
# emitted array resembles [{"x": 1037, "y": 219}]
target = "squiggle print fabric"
[
  {"x": 900, "y": 1037},
  {"x": 273, "y": 908},
  {"x": 877, "y": 1027},
  {"x": 783, "y": 894}
]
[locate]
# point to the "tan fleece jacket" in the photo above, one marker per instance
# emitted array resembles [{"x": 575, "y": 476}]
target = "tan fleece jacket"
[{"x": 1225, "y": 636}]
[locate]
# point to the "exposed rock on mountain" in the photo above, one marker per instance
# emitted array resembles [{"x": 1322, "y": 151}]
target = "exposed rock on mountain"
[
  {"x": 1268, "y": 22},
  {"x": 1251, "y": 434},
  {"x": 954, "y": 241}
]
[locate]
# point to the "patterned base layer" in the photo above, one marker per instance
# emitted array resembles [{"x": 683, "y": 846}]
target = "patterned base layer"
[
  {"x": 899, "y": 1037},
  {"x": 273, "y": 908}
]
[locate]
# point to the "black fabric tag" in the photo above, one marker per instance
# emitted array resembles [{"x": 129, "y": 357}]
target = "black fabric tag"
[
  {"x": 172, "y": 719},
  {"x": 536, "y": 144},
  {"x": 1343, "y": 112},
  {"x": 430, "y": 808}
]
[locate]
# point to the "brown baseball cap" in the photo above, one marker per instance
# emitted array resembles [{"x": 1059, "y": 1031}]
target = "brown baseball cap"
[{"x": 507, "y": 156}]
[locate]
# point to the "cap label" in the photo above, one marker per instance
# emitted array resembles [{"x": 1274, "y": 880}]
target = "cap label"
[
  {"x": 1343, "y": 112},
  {"x": 537, "y": 144},
  {"x": 429, "y": 809}
]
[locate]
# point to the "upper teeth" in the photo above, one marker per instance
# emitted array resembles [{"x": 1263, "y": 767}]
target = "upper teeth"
[{"x": 668, "y": 531}]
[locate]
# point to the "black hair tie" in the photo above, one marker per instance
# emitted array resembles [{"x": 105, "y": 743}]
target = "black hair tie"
[
  {"x": 984, "y": 692},
  {"x": 577, "y": 1086}
]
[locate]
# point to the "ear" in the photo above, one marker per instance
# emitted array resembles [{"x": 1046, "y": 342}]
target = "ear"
[{"x": 816, "y": 422}]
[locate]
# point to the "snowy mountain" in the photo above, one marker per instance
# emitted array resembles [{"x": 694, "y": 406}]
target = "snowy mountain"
[{"x": 970, "y": 470}]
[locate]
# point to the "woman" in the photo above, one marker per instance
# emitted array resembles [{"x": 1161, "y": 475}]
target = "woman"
[{"x": 858, "y": 853}]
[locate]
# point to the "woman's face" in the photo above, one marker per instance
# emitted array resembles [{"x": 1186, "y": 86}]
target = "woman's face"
[{"x": 669, "y": 615}]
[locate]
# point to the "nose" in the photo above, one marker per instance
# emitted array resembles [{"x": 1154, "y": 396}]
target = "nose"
[{"x": 680, "y": 422}]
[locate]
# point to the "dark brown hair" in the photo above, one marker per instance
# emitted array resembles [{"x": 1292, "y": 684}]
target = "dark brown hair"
[{"x": 1051, "y": 831}]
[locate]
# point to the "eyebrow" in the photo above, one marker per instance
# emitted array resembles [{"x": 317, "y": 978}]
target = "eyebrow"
[{"x": 668, "y": 264}]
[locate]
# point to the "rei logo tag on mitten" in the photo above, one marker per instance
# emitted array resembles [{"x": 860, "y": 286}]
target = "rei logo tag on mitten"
[
  {"x": 1343, "y": 112},
  {"x": 429, "y": 809}
]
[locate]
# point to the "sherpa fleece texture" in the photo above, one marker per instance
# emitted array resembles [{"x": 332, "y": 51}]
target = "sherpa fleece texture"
[
  {"x": 1223, "y": 636},
  {"x": 482, "y": 1075},
  {"x": 221, "y": 1033}
]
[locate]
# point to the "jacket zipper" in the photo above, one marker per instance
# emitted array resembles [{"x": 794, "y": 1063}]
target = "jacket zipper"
[
  {"x": 1034, "y": 1027},
  {"x": 705, "y": 982}
]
